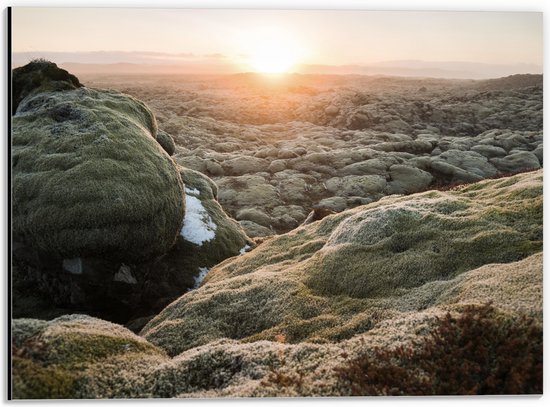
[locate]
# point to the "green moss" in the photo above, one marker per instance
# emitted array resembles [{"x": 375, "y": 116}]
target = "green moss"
[
  {"x": 78, "y": 357},
  {"x": 31, "y": 380},
  {"x": 79, "y": 347},
  {"x": 89, "y": 180},
  {"x": 350, "y": 272}
]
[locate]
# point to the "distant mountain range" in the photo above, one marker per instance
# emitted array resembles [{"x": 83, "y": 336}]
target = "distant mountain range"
[
  {"x": 432, "y": 69},
  {"x": 163, "y": 63}
]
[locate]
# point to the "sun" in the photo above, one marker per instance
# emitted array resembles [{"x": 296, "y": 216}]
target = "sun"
[
  {"x": 272, "y": 52},
  {"x": 272, "y": 57}
]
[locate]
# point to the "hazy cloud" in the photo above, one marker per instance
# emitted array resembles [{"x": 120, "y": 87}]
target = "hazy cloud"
[{"x": 113, "y": 57}]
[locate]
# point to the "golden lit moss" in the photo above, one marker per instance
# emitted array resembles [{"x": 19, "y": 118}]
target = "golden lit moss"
[
  {"x": 349, "y": 272},
  {"x": 76, "y": 356}
]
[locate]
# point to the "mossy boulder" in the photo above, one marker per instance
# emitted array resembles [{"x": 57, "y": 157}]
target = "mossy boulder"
[
  {"x": 207, "y": 237},
  {"x": 166, "y": 142},
  {"x": 40, "y": 76},
  {"x": 76, "y": 356},
  {"x": 349, "y": 272},
  {"x": 129, "y": 291},
  {"x": 89, "y": 179}
]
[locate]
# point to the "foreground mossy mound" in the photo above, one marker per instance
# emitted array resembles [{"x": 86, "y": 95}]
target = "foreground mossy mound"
[
  {"x": 480, "y": 351},
  {"x": 260, "y": 327},
  {"x": 76, "y": 356},
  {"x": 349, "y": 272},
  {"x": 467, "y": 346},
  {"x": 89, "y": 179}
]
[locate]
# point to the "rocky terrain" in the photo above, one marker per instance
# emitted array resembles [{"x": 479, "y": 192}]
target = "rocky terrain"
[
  {"x": 381, "y": 229},
  {"x": 280, "y": 147}
]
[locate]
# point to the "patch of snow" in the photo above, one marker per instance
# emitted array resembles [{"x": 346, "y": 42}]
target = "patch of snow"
[
  {"x": 244, "y": 249},
  {"x": 193, "y": 191},
  {"x": 198, "y": 226},
  {"x": 203, "y": 271}
]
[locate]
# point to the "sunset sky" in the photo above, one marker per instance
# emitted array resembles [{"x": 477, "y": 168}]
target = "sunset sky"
[{"x": 267, "y": 39}]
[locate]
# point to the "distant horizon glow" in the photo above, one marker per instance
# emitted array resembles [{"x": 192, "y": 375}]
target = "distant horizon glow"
[
  {"x": 245, "y": 39},
  {"x": 271, "y": 50}
]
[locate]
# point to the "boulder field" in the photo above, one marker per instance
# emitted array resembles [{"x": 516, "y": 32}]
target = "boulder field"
[
  {"x": 304, "y": 142},
  {"x": 419, "y": 269}
]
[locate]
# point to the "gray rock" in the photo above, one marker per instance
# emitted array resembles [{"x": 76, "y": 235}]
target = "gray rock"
[
  {"x": 335, "y": 203},
  {"x": 296, "y": 212},
  {"x": 356, "y": 185},
  {"x": 244, "y": 165},
  {"x": 413, "y": 147},
  {"x": 213, "y": 168},
  {"x": 332, "y": 110},
  {"x": 469, "y": 161},
  {"x": 247, "y": 191},
  {"x": 287, "y": 154},
  {"x": 453, "y": 173},
  {"x": 489, "y": 151},
  {"x": 267, "y": 152},
  {"x": 255, "y": 215},
  {"x": 522, "y": 160},
  {"x": 539, "y": 153},
  {"x": 375, "y": 166},
  {"x": 406, "y": 179},
  {"x": 277, "y": 166}
]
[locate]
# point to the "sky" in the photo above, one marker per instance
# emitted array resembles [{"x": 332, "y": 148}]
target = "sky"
[{"x": 256, "y": 38}]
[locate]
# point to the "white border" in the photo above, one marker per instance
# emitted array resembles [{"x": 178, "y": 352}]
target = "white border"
[{"x": 446, "y": 5}]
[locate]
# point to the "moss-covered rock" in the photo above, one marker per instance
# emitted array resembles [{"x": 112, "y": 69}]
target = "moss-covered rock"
[
  {"x": 166, "y": 142},
  {"x": 347, "y": 273},
  {"x": 40, "y": 76},
  {"x": 89, "y": 180},
  {"x": 207, "y": 237},
  {"x": 76, "y": 356}
]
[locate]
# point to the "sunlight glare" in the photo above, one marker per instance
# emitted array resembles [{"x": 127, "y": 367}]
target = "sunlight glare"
[{"x": 271, "y": 51}]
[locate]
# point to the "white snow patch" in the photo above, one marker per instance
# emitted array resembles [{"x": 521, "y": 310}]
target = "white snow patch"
[
  {"x": 203, "y": 271},
  {"x": 193, "y": 191},
  {"x": 244, "y": 249},
  {"x": 198, "y": 226}
]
